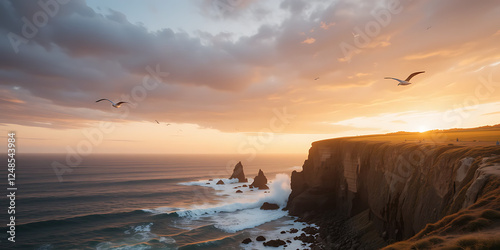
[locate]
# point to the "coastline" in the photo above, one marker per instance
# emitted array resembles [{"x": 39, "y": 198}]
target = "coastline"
[{"x": 367, "y": 194}]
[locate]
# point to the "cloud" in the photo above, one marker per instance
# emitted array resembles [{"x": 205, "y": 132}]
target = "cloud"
[
  {"x": 226, "y": 80},
  {"x": 309, "y": 40}
]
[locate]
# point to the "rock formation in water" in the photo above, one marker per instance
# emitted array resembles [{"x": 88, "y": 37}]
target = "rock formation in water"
[
  {"x": 238, "y": 173},
  {"x": 274, "y": 243},
  {"x": 269, "y": 206},
  {"x": 246, "y": 241},
  {"x": 220, "y": 182},
  {"x": 260, "y": 181},
  {"x": 381, "y": 192}
]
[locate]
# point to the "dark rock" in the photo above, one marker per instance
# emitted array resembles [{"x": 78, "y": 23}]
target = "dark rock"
[
  {"x": 293, "y": 230},
  {"x": 239, "y": 191},
  {"x": 210, "y": 179},
  {"x": 310, "y": 230},
  {"x": 246, "y": 241},
  {"x": 305, "y": 238},
  {"x": 274, "y": 243},
  {"x": 238, "y": 173},
  {"x": 260, "y": 181},
  {"x": 261, "y": 238},
  {"x": 208, "y": 183},
  {"x": 269, "y": 206},
  {"x": 288, "y": 241},
  {"x": 244, "y": 186},
  {"x": 220, "y": 182},
  {"x": 283, "y": 232}
]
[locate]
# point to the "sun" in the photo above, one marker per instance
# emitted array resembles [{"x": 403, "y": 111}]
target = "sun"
[{"x": 422, "y": 129}]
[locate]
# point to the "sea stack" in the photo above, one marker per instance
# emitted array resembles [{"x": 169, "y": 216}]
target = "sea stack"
[
  {"x": 238, "y": 173},
  {"x": 260, "y": 181}
]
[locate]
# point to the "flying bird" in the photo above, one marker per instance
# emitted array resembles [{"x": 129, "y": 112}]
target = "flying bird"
[
  {"x": 316, "y": 78},
  {"x": 115, "y": 105},
  {"x": 354, "y": 34},
  {"x": 407, "y": 81},
  {"x": 157, "y": 121}
]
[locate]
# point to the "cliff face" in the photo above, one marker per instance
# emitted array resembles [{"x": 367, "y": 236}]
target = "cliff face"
[{"x": 401, "y": 186}]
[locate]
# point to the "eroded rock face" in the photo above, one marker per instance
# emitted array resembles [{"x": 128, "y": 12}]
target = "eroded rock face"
[
  {"x": 238, "y": 173},
  {"x": 260, "y": 181},
  {"x": 402, "y": 186}
]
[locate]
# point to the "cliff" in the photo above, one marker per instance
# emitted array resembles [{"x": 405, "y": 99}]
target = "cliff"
[{"x": 380, "y": 192}]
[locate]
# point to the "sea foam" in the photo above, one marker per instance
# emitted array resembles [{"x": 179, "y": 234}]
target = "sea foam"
[{"x": 237, "y": 211}]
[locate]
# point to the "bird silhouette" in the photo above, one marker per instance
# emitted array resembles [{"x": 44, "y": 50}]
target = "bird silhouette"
[
  {"x": 407, "y": 81},
  {"x": 115, "y": 105}
]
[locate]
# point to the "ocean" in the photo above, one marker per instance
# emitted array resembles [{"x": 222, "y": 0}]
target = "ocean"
[{"x": 148, "y": 202}]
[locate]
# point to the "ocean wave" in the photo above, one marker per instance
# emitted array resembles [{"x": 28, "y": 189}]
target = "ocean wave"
[
  {"x": 78, "y": 219},
  {"x": 140, "y": 237},
  {"x": 237, "y": 211}
]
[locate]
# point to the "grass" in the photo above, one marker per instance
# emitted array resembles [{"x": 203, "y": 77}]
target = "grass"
[
  {"x": 427, "y": 243},
  {"x": 474, "y": 227},
  {"x": 462, "y": 220},
  {"x": 477, "y": 224},
  {"x": 475, "y": 135},
  {"x": 490, "y": 214},
  {"x": 476, "y": 242},
  {"x": 467, "y": 242}
]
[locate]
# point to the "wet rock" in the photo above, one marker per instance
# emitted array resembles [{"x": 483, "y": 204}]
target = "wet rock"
[
  {"x": 310, "y": 230},
  {"x": 239, "y": 191},
  {"x": 293, "y": 230},
  {"x": 269, "y": 206},
  {"x": 238, "y": 173},
  {"x": 305, "y": 238},
  {"x": 244, "y": 186},
  {"x": 220, "y": 182},
  {"x": 274, "y": 243},
  {"x": 260, "y": 181},
  {"x": 283, "y": 232},
  {"x": 261, "y": 238},
  {"x": 246, "y": 241}
]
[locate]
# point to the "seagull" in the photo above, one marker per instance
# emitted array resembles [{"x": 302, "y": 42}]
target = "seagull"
[
  {"x": 354, "y": 34},
  {"x": 157, "y": 121},
  {"x": 316, "y": 78},
  {"x": 117, "y": 105},
  {"x": 405, "y": 82}
]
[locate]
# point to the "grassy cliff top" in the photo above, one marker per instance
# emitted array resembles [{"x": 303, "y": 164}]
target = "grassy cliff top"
[{"x": 481, "y": 136}]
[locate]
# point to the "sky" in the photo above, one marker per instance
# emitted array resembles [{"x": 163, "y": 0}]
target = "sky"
[{"x": 241, "y": 76}]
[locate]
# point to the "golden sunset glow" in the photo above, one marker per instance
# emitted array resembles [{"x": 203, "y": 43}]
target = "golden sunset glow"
[{"x": 265, "y": 77}]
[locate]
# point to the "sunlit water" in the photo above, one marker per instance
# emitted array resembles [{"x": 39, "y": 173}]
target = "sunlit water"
[{"x": 148, "y": 202}]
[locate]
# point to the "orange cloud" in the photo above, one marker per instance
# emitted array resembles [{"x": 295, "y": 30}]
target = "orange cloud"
[
  {"x": 419, "y": 56},
  {"x": 326, "y": 26},
  {"x": 309, "y": 40}
]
